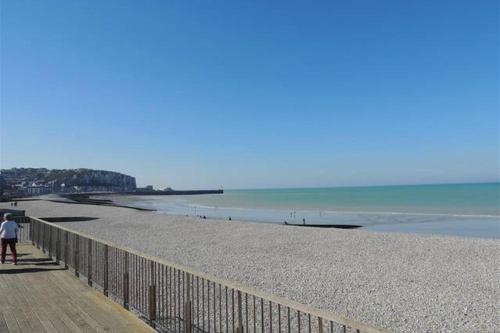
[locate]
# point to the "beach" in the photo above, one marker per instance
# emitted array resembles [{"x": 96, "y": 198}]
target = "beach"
[
  {"x": 446, "y": 209},
  {"x": 398, "y": 281}
]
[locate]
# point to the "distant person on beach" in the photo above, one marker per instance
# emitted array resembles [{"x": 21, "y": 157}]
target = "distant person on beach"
[{"x": 8, "y": 236}]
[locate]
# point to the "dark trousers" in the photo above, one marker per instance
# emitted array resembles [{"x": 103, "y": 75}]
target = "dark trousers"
[{"x": 12, "y": 244}]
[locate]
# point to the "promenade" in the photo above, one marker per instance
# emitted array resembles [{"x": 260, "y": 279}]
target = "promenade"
[{"x": 38, "y": 295}]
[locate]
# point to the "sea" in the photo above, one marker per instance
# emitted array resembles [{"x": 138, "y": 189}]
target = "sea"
[{"x": 469, "y": 210}]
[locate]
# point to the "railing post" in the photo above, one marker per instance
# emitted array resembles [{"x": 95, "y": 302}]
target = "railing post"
[
  {"x": 32, "y": 231},
  {"x": 58, "y": 245},
  {"x": 320, "y": 325},
  {"x": 187, "y": 305},
  {"x": 45, "y": 237},
  {"x": 76, "y": 254},
  {"x": 66, "y": 249},
  {"x": 50, "y": 242},
  {"x": 42, "y": 237},
  {"x": 125, "y": 281},
  {"x": 239, "y": 329},
  {"x": 38, "y": 232},
  {"x": 39, "y": 236},
  {"x": 152, "y": 296},
  {"x": 152, "y": 305},
  {"x": 89, "y": 262},
  {"x": 105, "y": 270}
]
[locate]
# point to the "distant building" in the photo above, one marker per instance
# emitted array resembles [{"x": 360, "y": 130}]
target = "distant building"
[
  {"x": 37, "y": 189},
  {"x": 146, "y": 188}
]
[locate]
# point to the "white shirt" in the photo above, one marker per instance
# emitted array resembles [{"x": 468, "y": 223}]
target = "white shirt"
[{"x": 8, "y": 229}]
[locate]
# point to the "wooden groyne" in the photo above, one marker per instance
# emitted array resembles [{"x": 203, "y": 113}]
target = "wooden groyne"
[
  {"x": 338, "y": 226},
  {"x": 173, "y": 192}
]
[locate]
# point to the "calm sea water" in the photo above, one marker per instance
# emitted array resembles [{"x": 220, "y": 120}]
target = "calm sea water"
[{"x": 455, "y": 209}]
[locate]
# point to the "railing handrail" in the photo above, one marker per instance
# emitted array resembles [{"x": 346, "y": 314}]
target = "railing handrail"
[{"x": 325, "y": 314}]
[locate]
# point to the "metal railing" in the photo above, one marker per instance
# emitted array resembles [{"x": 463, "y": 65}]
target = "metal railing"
[{"x": 173, "y": 298}]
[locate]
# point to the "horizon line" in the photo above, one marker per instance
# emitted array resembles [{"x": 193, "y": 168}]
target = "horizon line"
[{"x": 359, "y": 186}]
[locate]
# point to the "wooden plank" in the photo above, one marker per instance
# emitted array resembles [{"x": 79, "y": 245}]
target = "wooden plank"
[
  {"x": 19, "y": 304},
  {"x": 39, "y": 296},
  {"x": 22, "y": 290},
  {"x": 3, "y": 323},
  {"x": 10, "y": 320},
  {"x": 91, "y": 314}
]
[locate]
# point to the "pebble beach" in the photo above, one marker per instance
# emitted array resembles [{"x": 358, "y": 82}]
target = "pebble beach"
[{"x": 397, "y": 281}]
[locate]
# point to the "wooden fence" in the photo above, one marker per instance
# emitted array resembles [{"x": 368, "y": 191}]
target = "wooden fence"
[
  {"x": 24, "y": 234},
  {"x": 173, "y": 298}
]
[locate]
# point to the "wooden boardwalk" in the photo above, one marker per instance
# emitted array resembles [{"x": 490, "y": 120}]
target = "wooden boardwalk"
[{"x": 38, "y": 295}]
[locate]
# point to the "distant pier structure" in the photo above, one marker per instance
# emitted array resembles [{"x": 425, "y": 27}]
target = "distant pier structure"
[{"x": 172, "y": 192}]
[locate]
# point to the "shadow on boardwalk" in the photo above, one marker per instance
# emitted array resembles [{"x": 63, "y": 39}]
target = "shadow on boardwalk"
[
  {"x": 29, "y": 270},
  {"x": 51, "y": 299}
]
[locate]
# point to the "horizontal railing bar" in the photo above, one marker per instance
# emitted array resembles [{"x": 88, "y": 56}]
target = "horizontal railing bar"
[{"x": 325, "y": 314}]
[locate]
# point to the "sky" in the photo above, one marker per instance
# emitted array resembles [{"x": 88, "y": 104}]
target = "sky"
[{"x": 253, "y": 94}]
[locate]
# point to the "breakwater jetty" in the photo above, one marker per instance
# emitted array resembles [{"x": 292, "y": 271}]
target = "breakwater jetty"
[
  {"x": 170, "y": 192},
  {"x": 90, "y": 197}
]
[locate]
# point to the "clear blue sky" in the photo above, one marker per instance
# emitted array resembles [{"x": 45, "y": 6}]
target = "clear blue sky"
[{"x": 244, "y": 94}]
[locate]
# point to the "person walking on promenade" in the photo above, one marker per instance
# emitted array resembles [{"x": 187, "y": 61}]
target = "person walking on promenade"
[{"x": 8, "y": 236}]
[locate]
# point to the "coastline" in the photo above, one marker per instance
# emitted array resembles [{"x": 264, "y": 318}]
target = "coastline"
[
  {"x": 402, "y": 282},
  {"x": 468, "y": 225}
]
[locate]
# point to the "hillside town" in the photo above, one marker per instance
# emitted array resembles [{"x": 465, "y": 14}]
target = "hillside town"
[{"x": 23, "y": 182}]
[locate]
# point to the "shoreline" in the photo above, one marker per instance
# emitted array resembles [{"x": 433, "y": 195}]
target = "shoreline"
[
  {"x": 326, "y": 211},
  {"x": 469, "y": 226},
  {"x": 91, "y": 199},
  {"x": 401, "y": 282},
  {"x": 482, "y": 226},
  {"x": 95, "y": 199}
]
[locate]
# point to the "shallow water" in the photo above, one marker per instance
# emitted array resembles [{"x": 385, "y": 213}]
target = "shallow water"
[{"x": 457, "y": 209}]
